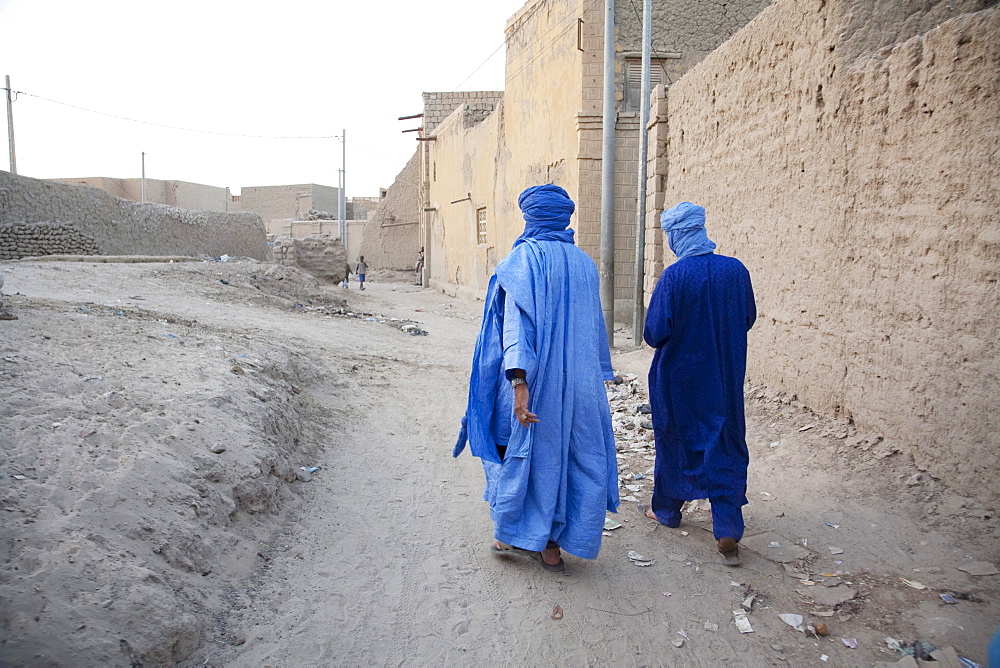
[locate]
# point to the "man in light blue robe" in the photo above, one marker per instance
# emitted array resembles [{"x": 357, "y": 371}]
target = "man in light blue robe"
[
  {"x": 538, "y": 414},
  {"x": 698, "y": 319}
]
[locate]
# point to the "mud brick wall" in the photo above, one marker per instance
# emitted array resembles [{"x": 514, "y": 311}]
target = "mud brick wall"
[
  {"x": 846, "y": 151},
  {"x": 391, "y": 238},
  {"x": 40, "y": 217},
  {"x": 320, "y": 255}
]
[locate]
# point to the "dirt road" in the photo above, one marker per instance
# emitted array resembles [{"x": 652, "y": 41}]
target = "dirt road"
[{"x": 382, "y": 558}]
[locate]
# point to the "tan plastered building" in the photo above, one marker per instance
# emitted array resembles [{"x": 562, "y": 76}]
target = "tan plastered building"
[
  {"x": 179, "y": 194},
  {"x": 547, "y": 128}
]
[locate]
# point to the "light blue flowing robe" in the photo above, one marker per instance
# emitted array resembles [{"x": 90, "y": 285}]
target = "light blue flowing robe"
[{"x": 559, "y": 476}]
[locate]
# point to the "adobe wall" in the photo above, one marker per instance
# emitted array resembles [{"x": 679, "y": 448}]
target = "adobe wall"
[
  {"x": 464, "y": 183},
  {"x": 849, "y": 158},
  {"x": 390, "y": 237},
  {"x": 39, "y": 217}
]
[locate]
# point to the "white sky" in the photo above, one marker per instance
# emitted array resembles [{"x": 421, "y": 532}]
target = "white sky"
[{"x": 294, "y": 67}]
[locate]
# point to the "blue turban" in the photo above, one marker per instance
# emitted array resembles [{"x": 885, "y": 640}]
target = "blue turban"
[
  {"x": 685, "y": 228},
  {"x": 546, "y": 210}
]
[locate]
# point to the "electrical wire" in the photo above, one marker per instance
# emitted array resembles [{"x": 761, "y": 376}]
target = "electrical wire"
[
  {"x": 502, "y": 45},
  {"x": 173, "y": 127}
]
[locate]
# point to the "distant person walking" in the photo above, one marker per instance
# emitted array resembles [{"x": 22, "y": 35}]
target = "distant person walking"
[
  {"x": 420, "y": 267},
  {"x": 362, "y": 270},
  {"x": 537, "y": 414},
  {"x": 346, "y": 283},
  {"x": 698, "y": 319}
]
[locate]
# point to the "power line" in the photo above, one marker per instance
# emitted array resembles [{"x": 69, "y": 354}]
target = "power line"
[
  {"x": 502, "y": 45},
  {"x": 173, "y": 127}
]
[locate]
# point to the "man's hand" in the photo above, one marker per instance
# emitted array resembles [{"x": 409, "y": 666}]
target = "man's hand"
[{"x": 524, "y": 416}]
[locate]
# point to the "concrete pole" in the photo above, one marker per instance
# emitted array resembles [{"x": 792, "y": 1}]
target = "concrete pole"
[
  {"x": 343, "y": 188},
  {"x": 10, "y": 128},
  {"x": 143, "y": 196},
  {"x": 639, "y": 307},
  {"x": 607, "y": 266}
]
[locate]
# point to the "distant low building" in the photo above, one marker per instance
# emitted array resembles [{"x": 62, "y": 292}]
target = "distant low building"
[
  {"x": 280, "y": 206},
  {"x": 180, "y": 194}
]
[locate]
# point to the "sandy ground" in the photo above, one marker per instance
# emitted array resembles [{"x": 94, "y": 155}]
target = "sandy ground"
[{"x": 154, "y": 418}]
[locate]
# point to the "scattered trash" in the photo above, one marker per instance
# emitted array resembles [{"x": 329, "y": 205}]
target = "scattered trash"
[
  {"x": 644, "y": 409},
  {"x": 850, "y": 642},
  {"x": 309, "y": 469},
  {"x": 836, "y": 550},
  {"x": 775, "y": 444},
  {"x": 224, "y": 258},
  {"x": 170, "y": 336},
  {"x": 684, "y": 533},
  {"x": 734, "y": 583},
  {"x": 633, "y": 488},
  {"x": 87, "y": 432},
  {"x": 677, "y": 643},
  {"x": 979, "y": 568},
  {"x": 831, "y": 524},
  {"x": 913, "y": 583},
  {"x": 557, "y": 613},
  {"x": 611, "y": 525},
  {"x": 807, "y": 427},
  {"x": 804, "y": 542},
  {"x": 948, "y": 598},
  {"x": 668, "y": 594},
  {"x": 709, "y": 626},
  {"x": 303, "y": 476},
  {"x": 824, "y": 657},
  {"x": 639, "y": 560},
  {"x": 774, "y": 543},
  {"x": 223, "y": 281},
  {"x": 795, "y": 621},
  {"x": 747, "y": 603},
  {"x": 742, "y": 623},
  {"x": 684, "y": 634},
  {"x": 19, "y": 477}
]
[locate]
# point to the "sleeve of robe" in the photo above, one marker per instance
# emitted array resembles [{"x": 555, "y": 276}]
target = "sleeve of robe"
[{"x": 518, "y": 340}]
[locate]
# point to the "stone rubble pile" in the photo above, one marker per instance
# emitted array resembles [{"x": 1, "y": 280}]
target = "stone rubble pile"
[{"x": 633, "y": 429}]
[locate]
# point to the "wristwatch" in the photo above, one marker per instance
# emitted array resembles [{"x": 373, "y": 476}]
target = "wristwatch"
[{"x": 514, "y": 382}]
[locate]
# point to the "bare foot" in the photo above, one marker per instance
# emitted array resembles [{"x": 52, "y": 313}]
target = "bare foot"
[
  {"x": 551, "y": 556},
  {"x": 727, "y": 545},
  {"x": 651, "y": 515}
]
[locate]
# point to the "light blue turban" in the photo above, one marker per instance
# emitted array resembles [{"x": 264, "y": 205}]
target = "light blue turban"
[
  {"x": 546, "y": 210},
  {"x": 685, "y": 228}
]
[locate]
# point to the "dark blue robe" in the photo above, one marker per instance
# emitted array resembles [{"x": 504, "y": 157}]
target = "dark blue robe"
[{"x": 698, "y": 320}]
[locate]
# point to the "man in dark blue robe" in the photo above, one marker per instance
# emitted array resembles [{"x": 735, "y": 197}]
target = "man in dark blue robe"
[
  {"x": 698, "y": 318},
  {"x": 538, "y": 414}
]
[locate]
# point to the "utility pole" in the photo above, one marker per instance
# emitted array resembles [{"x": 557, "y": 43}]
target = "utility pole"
[
  {"x": 607, "y": 266},
  {"x": 143, "y": 177},
  {"x": 10, "y": 128},
  {"x": 639, "y": 307},
  {"x": 343, "y": 186}
]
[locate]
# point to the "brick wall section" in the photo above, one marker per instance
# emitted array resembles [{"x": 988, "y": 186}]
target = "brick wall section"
[
  {"x": 857, "y": 178},
  {"x": 438, "y": 106},
  {"x": 46, "y": 218},
  {"x": 391, "y": 234}
]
